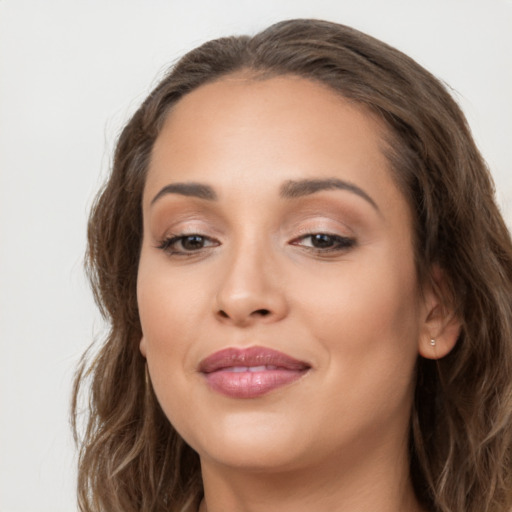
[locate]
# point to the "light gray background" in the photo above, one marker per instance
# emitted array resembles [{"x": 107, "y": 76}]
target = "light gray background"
[{"x": 71, "y": 72}]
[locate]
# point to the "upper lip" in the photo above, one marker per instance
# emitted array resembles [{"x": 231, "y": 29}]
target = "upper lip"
[{"x": 251, "y": 356}]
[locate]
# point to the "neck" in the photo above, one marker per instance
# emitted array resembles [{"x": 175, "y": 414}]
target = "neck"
[{"x": 379, "y": 482}]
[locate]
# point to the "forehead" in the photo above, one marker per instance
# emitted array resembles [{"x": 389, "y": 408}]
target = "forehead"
[
  {"x": 255, "y": 131},
  {"x": 236, "y": 101}
]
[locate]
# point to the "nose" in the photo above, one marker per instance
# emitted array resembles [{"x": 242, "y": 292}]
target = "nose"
[{"x": 250, "y": 290}]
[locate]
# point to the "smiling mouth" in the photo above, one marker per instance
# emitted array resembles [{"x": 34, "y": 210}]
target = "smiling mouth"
[{"x": 250, "y": 372}]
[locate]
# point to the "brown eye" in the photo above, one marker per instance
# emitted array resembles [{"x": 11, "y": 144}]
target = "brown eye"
[
  {"x": 186, "y": 244},
  {"x": 324, "y": 242},
  {"x": 193, "y": 242}
]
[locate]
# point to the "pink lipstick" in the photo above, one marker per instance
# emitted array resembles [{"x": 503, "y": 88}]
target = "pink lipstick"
[{"x": 250, "y": 372}]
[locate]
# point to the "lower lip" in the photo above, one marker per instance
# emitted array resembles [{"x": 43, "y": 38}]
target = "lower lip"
[{"x": 250, "y": 384}]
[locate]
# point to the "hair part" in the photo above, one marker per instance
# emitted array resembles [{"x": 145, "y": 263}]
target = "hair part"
[{"x": 132, "y": 459}]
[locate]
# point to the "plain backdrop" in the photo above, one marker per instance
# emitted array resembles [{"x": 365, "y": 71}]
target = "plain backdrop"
[{"x": 71, "y": 73}]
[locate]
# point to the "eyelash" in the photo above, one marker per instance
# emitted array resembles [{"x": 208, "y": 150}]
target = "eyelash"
[
  {"x": 168, "y": 244},
  {"x": 340, "y": 244}
]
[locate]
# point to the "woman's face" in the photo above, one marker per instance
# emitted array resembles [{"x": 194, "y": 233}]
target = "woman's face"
[{"x": 278, "y": 297}]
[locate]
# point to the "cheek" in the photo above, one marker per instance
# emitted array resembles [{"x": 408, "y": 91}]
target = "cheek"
[
  {"x": 174, "y": 312},
  {"x": 367, "y": 317},
  {"x": 367, "y": 327},
  {"x": 169, "y": 302},
  {"x": 165, "y": 311}
]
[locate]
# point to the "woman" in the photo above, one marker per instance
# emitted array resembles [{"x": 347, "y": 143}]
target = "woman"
[{"x": 309, "y": 289}]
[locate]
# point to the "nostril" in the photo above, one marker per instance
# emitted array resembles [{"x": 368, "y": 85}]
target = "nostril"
[
  {"x": 261, "y": 312},
  {"x": 244, "y": 317}
]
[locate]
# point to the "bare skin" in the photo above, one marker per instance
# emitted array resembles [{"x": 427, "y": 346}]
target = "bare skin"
[{"x": 271, "y": 220}]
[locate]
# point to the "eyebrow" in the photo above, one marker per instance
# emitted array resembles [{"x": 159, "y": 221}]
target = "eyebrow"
[
  {"x": 187, "y": 189},
  {"x": 289, "y": 190},
  {"x": 294, "y": 189}
]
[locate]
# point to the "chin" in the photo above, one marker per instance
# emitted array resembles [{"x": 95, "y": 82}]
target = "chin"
[
  {"x": 252, "y": 442},
  {"x": 253, "y": 457}
]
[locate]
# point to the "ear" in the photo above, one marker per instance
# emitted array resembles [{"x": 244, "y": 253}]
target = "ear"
[
  {"x": 142, "y": 346},
  {"x": 441, "y": 327}
]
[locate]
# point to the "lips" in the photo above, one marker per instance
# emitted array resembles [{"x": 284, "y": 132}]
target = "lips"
[{"x": 250, "y": 372}]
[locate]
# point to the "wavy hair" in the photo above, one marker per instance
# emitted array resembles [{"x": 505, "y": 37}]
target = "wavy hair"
[{"x": 132, "y": 459}]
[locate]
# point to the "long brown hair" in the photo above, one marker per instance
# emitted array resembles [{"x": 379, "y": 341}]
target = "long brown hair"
[{"x": 132, "y": 459}]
